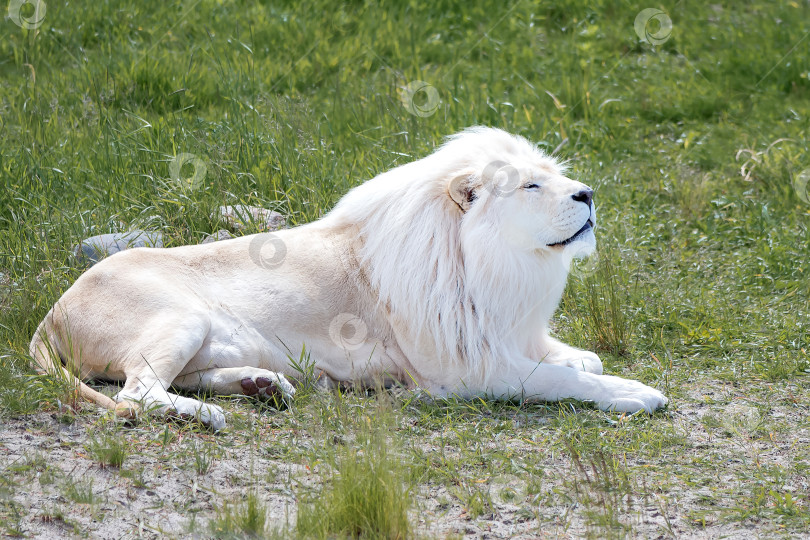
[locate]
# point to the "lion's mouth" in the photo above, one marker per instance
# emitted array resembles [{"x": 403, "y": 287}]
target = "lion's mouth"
[{"x": 585, "y": 228}]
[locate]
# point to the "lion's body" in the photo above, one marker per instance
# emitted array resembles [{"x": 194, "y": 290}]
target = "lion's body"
[
  {"x": 219, "y": 314},
  {"x": 442, "y": 281}
]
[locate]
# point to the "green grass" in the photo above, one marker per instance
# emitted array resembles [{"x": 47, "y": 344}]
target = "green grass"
[
  {"x": 248, "y": 520},
  {"x": 79, "y": 491},
  {"x": 109, "y": 448},
  {"x": 367, "y": 492},
  {"x": 700, "y": 286}
]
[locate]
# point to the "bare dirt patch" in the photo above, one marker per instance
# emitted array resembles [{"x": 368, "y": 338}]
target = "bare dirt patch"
[{"x": 723, "y": 462}]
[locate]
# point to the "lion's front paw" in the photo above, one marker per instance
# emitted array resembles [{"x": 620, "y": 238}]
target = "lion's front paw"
[
  {"x": 579, "y": 360},
  {"x": 586, "y": 361},
  {"x": 624, "y": 395}
]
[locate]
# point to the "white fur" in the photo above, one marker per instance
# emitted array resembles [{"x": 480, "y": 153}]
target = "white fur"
[{"x": 443, "y": 270}]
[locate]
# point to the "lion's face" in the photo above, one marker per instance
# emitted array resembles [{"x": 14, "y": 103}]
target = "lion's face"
[{"x": 537, "y": 208}]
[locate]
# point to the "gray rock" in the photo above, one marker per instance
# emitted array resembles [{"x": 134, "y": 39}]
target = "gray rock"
[
  {"x": 221, "y": 234},
  {"x": 239, "y": 216},
  {"x": 95, "y": 248}
]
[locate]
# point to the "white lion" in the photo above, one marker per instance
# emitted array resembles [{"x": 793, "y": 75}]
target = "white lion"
[{"x": 442, "y": 273}]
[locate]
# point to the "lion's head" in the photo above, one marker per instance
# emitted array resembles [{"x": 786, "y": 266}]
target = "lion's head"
[
  {"x": 523, "y": 194},
  {"x": 470, "y": 247}
]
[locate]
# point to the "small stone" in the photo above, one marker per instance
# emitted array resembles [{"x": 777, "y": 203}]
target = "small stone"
[
  {"x": 95, "y": 248},
  {"x": 221, "y": 234},
  {"x": 240, "y": 216}
]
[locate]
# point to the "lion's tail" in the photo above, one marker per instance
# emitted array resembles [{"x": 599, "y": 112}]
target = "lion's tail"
[{"x": 48, "y": 358}]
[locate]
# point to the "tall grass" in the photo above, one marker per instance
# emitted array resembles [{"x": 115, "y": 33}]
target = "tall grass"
[
  {"x": 605, "y": 302},
  {"x": 241, "y": 520},
  {"x": 367, "y": 492}
]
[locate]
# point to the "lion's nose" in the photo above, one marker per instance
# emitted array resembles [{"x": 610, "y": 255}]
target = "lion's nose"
[{"x": 585, "y": 196}]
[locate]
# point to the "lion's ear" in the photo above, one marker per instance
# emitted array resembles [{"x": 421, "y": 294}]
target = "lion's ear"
[{"x": 461, "y": 191}]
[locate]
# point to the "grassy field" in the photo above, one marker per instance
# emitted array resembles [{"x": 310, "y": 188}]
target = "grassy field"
[{"x": 694, "y": 136}]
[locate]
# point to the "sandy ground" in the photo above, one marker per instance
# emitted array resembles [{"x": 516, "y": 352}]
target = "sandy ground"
[{"x": 159, "y": 492}]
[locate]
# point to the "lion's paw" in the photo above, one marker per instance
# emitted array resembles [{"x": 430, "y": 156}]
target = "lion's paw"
[
  {"x": 211, "y": 416},
  {"x": 580, "y": 360},
  {"x": 585, "y": 361},
  {"x": 624, "y": 395},
  {"x": 267, "y": 385}
]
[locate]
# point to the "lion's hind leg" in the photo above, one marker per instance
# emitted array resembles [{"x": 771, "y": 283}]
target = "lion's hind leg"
[
  {"x": 249, "y": 381},
  {"x": 160, "y": 360}
]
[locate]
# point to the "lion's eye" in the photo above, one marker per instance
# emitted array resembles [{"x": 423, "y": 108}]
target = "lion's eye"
[{"x": 531, "y": 186}]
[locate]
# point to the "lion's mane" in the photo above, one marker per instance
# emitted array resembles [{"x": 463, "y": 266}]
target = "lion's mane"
[{"x": 453, "y": 277}]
